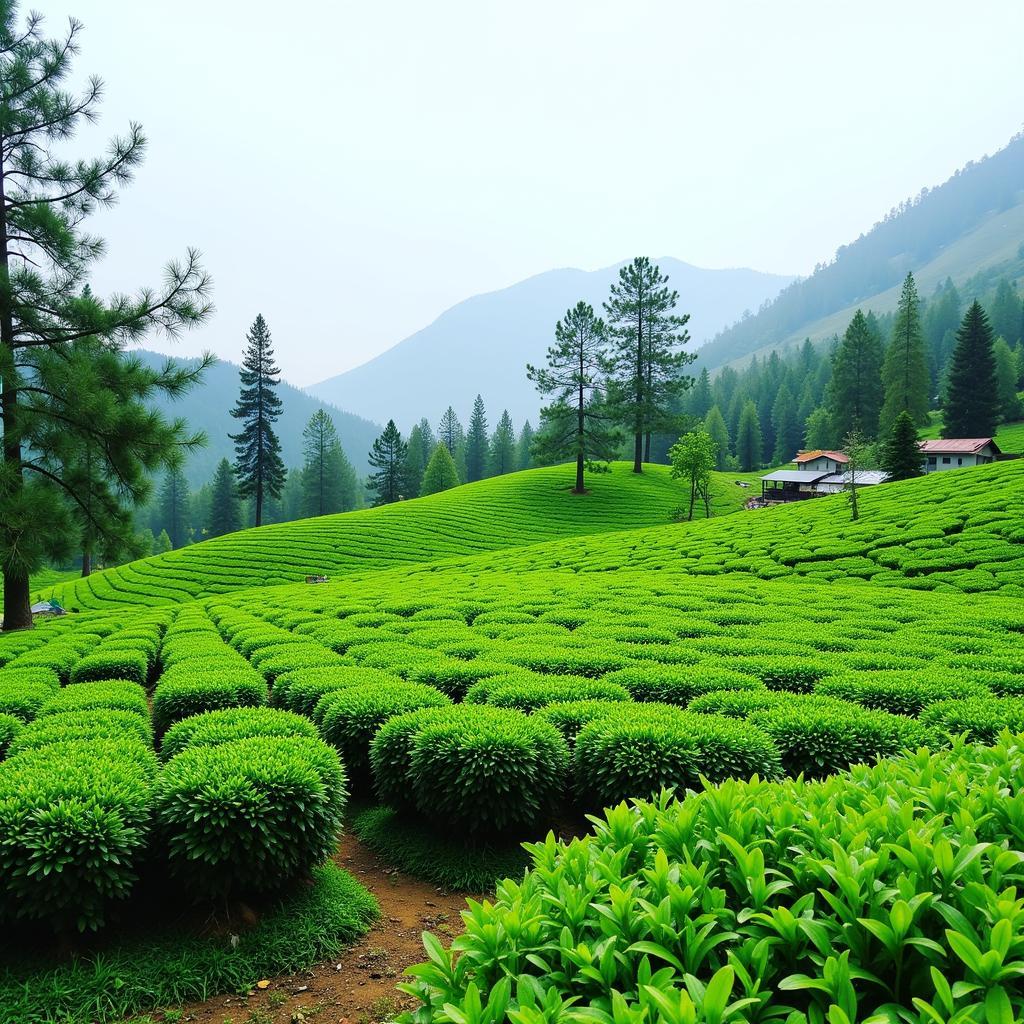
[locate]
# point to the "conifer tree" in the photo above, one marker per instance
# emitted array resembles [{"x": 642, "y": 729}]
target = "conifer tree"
[
  {"x": 701, "y": 398},
  {"x": 900, "y": 454},
  {"x": 716, "y": 429},
  {"x": 417, "y": 458},
  {"x": 940, "y": 323},
  {"x": 1010, "y": 408},
  {"x": 788, "y": 434},
  {"x": 449, "y": 431},
  {"x": 257, "y": 448},
  {"x": 502, "y": 451},
  {"x": 477, "y": 443},
  {"x": 524, "y": 457},
  {"x": 163, "y": 543},
  {"x": 647, "y": 359},
  {"x": 388, "y": 458},
  {"x": 67, "y": 386},
  {"x": 819, "y": 431},
  {"x": 972, "y": 399},
  {"x": 748, "y": 439},
  {"x": 328, "y": 479},
  {"x": 225, "y": 508},
  {"x": 905, "y": 370},
  {"x": 440, "y": 474},
  {"x": 855, "y": 392},
  {"x": 1005, "y": 316},
  {"x": 174, "y": 506},
  {"x": 576, "y": 424}
]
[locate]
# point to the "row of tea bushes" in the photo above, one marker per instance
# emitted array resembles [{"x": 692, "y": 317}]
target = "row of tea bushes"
[{"x": 888, "y": 893}]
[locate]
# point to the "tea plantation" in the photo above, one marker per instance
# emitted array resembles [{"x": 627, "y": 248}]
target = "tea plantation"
[{"x": 801, "y": 740}]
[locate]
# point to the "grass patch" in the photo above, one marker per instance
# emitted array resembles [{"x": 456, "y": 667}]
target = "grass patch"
[
  {"x": 414, "y": 848},
  {"x": 134, "y": 975}
]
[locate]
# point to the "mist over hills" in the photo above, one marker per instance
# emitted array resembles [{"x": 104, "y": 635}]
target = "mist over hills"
[
  {"x": 970, "y": 229},
  {"x": 208, "y": 407},
  {"x": 484, "y": 343}
]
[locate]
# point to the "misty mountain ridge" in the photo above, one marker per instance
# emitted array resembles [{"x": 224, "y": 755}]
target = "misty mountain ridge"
[{"x": 482, "y": 345}]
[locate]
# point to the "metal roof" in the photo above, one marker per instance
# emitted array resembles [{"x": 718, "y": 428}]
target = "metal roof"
[
  {"x": 957, "y": 445},
  {"x": 795, "y": 476},
  {"x": 864, "y": 476}
]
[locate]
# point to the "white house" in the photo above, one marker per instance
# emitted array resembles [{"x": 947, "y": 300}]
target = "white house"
[
  {"x": 956, "y": 452},
  {"x": 819, "y": 461}
]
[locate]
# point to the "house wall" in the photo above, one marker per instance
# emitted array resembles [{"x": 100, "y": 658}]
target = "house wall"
[
  {"x": 937, "y": 462},
  {"x": 822, "y": 464}
]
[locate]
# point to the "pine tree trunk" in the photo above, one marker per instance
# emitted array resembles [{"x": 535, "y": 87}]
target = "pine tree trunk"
[
  {"x": 647, "y": 447},
  {"x": 86, "y": 563},
  {"x": 580, "y": 411},
  {"x": 638, "y": 438},
  {"x": 17, "y": 601}
]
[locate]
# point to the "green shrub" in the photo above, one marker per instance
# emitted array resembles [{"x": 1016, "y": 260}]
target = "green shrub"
[
  {"x": 275, "y": 661},
  {"x": 569, "y": 716},
  {"x": 901, "y": 693},
  {"x": 349, "y": 718},
  {"x": 98, "y": 723},
  {"x": 778, "y": 672},
  {"x": 213, "y": 727},
  {"x": 23, "y": 699},
  {"x": 74, "y": 821},
  {"x": 529, "y": 694},
  {"x": 816, "y": 741},
  {"x": 251, "y": 814},
  {"x": 10, "y": 727},
  {"x": 648, "y": 747},
  {"x": 737, "y": 703},
  {"x": 487, "y": 769},
  {"x": 177, "y": 698},
  {"x": 670, "y": 684},
  {"x": 300, "y": 691},
  {"x": 128, "y": 664},
  {"x": 456, "y": 677},
  {"x": 981, "y": 718},
  {"x": 110, "y": 694},
  {"x": 563, "y": 660}
]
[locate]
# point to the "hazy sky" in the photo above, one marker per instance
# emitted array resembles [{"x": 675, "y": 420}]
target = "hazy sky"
[{"x": 350, "y": 169}]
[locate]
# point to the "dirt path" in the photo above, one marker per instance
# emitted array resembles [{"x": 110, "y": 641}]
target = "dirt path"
[{"x": 359, "y": 986}]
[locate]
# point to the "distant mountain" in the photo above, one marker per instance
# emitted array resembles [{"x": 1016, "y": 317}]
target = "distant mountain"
[
  {"x": 208, "y": 406},
  {"x": 483, "y": 344},
  {"x": 970, "y": 229}
]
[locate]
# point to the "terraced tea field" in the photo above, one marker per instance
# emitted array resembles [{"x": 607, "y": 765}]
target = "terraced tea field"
[{"x": 495, "y": 514}]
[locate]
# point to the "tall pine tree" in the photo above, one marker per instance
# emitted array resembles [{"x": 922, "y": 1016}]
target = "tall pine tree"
[
  {"x": 855, "y": 392},
  {"x": 502, "y": 453},
  {"x": 328, "y": 479},
  {"x": 647, "y": 359},
  {"x": 905, "y": 369},
  {"x": 477, "y": 443},
  {"x": 576, "y": 423},
  {"x": 715, "y": 426},
  {"x": 225, "y": 508},
  {"x": 257, "y": 448},
  {"x": 440, "y": 474},
  {"x": 972, "y": 399},
  {"x": 524, "y": 455},
  {"x": 900, "y": 454},
  {"x": 68, "y": 393},
  {"x": 388, "y": 457},
  {"x": 748, "y": 439},
  {"x": 174, "y": 506}
]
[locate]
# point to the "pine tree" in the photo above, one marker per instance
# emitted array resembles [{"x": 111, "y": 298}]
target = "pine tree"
[
  {"x": 257, "y": 448},
  {"x": 819, "y": 431},
  {"x": 328, "y": 479},
  {"x": 417, "y": 459},
  {"x": 576, "y": 424},
  {"x": 69, "y": 393},
  {"x": 940, "y": 323},
  {"x": 1010, "y": 408},
  {"x": 748, "y": 439},
  {"x": 174, "y": 506},
  {"x": 477, "y": 443},
  {"x": 163, "y": 543},
  {"x": 788, "y": 434},
  {"x": 855, "y": 393},
  {"x": 900, "y": 454},
  {"x": 1005, "y": 316},
  {"x": 524, "y": 457},
  {"x": 972, "y": 400},
  {"x": 449, "y": 431},
  {"x": 715, "y": 426},
  {"x": 701, "y": 398},
  {"x": 225, "y": 508},
  {"x": 646, "y": 360},
  {"x": 440, "y": 474},
  {"x": 501, "y": 454},
  {"x": 905, "y": 371},
  {"x": 388, "y": 457}
]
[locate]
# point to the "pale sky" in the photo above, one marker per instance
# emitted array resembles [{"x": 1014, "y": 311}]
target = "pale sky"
[{"x": 352, "y": 169}]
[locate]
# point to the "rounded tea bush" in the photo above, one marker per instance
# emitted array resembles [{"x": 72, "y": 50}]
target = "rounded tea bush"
[
  {"x": 981, "y": 718},
  {"x": 900, "y": 693},
  {"x": 24, "y": 699},
  {"x": 794, "y": 674},
  {"x": 214, "y": 727},
  {"x": 644, "y": 748},
  {"x": 350, "y": 717},
  {"x": 131, "y": 664},
  {"x": 673, "y": 684},
  {"x": 10, "y": 726},
  {"x": 100, "y": 723},
  {"x": 74, "y": 824},
  {"x": 110, "y": 694},
  {"x": 183, "y": 695},
  {"x": 249, "y": 815},
  {"x": 530, "y": 694},
  {"x": 569, "y": 716},
  {"x": 300, "y": 691},
  {"x": 487, "y": 769}
]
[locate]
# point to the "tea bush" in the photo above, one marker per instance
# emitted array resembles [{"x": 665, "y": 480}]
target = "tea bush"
[
  {"x": 97, "y": 723},
  {"x": 569, "y": 716},
  {"x": 249, "y": 815},
  {"x": 666, "y": 684},
  {"x": 110, "y": 694},
  {"x": 10, "y": 727},
  {"x": 22, "y": 697},
  {"x": 211, "y": 728},
  {"x": 112, "y": 664},
  {"x": 902, "y": 693},
  {"x": 300, "y": 690},
  {"x": 529, "y": 694},
  {"x": 178, "y": 697},
  {"x": 981, "y": 718}
]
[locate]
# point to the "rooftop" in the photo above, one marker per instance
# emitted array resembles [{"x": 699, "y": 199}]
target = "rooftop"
[
  {"x": 957, "y": 445},
  {"x": 819, "y": 454},
  {"x": 863, "y": 476},
  {"x": 796, "y": 476}
]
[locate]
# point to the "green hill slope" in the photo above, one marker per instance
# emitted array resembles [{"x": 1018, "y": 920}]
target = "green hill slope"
[{"x": 496, "y": 514}]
